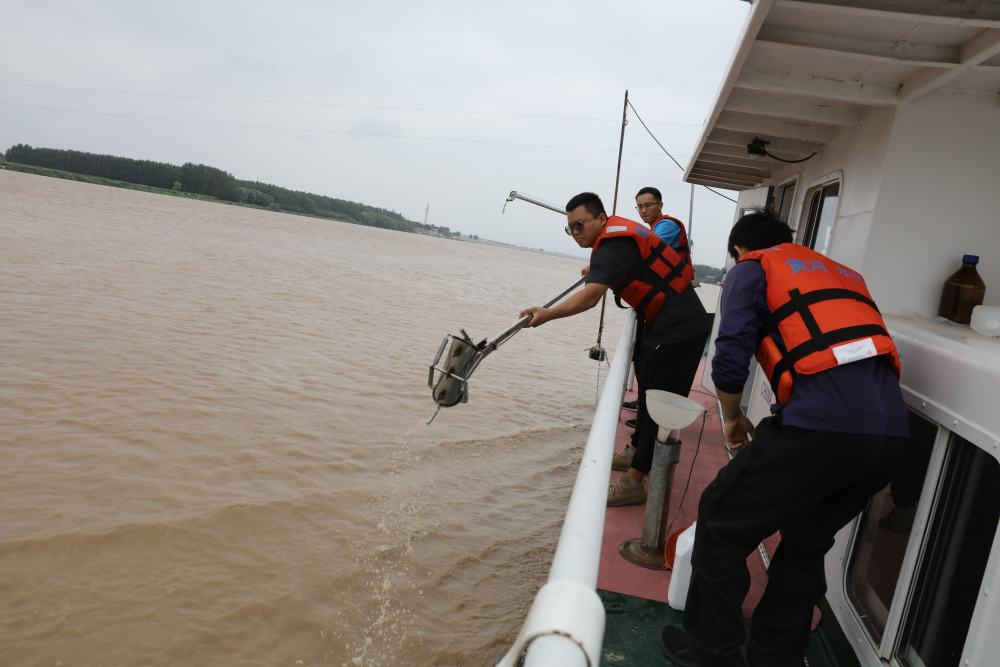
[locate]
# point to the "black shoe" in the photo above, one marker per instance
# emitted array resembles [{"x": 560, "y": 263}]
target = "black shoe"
[
  {"x": 674, "y": 644},
  {"x": 631, "y": 405},
  {"x": 632, "y": 423}
]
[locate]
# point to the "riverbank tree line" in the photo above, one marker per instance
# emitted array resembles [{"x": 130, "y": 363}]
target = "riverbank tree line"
[
  {"x": 213, "y": 182},
  {"x": 709, "y": 274}
]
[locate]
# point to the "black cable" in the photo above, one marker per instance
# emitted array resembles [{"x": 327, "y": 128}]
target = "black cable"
[
  {"x": 662, "y": 147},
  {"x": 687, "y": 485},
  {"x": 781, "y": 159},
  {"x": 668, "y": 152}
]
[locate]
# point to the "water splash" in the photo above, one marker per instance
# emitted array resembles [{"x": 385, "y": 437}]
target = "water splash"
[{"x": 388, "y": 567}]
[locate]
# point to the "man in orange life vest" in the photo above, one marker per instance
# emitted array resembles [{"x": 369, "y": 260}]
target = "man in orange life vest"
[
  {"x": 837, "y": 432},
  {"x": 655, "y": 279}
]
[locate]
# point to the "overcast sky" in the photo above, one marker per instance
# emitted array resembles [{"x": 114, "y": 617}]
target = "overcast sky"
[{"x": 394, "y": 104}]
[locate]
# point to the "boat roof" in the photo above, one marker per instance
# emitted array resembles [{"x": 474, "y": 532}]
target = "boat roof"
[{"x": 803, "y": 69}]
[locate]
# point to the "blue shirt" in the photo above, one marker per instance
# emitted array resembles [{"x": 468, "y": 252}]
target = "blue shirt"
[
  {"x": 668, "y": 231},
  {"x": 860, "y": 397}
]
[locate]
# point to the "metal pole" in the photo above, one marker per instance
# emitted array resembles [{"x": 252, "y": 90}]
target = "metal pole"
[
  {"x": 502, "y": 337},
  {"x": 691, "y": 218},
  {"x": 614, "y": 206},
  {"x": 630, "y": 371},
  {"x": 647, "y": 550},
  {"x": 514, "y": 194},
  {"x": 695, "y": 282},
  {"x": 621, "y": 145}
]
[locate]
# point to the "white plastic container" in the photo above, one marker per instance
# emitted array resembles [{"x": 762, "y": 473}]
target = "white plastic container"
[
  {"x": 986, "y": 321},
  {"x": 680, "y": 577}
]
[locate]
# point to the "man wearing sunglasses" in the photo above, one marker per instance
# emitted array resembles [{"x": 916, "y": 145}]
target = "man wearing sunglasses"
[{"x": 655, "y": 279}]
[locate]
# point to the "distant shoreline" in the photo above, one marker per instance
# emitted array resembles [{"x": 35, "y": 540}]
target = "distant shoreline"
[{"x": 110, "y": 182}]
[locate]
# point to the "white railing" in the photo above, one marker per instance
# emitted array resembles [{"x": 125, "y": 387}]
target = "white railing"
[{"x": 565, "y": 625}]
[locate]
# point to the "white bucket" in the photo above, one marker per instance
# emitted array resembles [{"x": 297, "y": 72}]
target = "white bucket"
[
  {"x": 680, "y": 577},
  {"x": 986, "y": 321}
]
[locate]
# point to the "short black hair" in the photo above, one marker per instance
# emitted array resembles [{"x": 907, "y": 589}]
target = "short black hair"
[
  {"x": 650, "y": 190},
  {"x": 588, "y": 200},
  {"x": 757, "y": 230}
]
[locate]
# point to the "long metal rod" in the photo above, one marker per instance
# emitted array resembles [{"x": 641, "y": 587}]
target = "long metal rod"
[
  {"x": 502, "y": 337},
  {"x": 555, "y": 639},
  {"x": 514, "y": 194}
]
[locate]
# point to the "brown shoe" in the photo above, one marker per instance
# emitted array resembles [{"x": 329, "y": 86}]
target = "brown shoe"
[
  {"x": 623, "y": 492},
  {"x": 622, "y": 460}
]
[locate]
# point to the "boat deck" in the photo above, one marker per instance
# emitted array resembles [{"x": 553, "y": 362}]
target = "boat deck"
[{"x": 635, "y": 597}]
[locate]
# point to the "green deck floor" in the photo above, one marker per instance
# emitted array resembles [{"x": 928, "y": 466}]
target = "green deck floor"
[{"x": 632, "y": 635}]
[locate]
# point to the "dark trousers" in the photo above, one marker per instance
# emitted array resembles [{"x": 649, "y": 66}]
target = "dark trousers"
[
  {"x": 807, "y": 484},
  {"x": 670, "y": 367}
]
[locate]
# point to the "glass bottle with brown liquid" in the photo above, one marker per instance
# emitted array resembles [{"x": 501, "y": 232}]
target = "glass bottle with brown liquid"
[{"x": 963, "y": 291}]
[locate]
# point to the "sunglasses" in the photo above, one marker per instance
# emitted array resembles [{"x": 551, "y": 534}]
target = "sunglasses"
[{"x": 574, "y": 227}]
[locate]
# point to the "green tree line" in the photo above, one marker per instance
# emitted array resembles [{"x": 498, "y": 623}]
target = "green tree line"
[
  {"x": 205, "y": 180},
  {"x": 709, "y": 274}
]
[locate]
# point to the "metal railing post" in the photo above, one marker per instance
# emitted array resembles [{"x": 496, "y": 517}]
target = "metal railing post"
[{"x": 629, "y": 376}]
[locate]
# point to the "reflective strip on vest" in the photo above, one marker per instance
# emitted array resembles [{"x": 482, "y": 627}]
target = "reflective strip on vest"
[{"x": 662, "y": 268}]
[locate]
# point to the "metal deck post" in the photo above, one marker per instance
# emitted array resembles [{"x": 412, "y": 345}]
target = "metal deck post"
[{"x": 647, "y": 550}]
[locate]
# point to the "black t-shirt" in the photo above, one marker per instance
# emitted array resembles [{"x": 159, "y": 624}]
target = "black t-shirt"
[{"x": 682, "y": 315}]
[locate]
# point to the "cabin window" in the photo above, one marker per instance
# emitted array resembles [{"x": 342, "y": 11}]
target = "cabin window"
[
  {"x": 820, "y": 216},
  {"x": 950, "y": 576},
  {"x": 783, "y": 195},
  {"x": 885, "y": 531}
]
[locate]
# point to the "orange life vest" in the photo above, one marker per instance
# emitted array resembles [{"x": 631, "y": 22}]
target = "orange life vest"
[
  {"x": 823, "y": 312},
  {"x": 682, "y": 240},
  {"x": 662, "y": 268}
]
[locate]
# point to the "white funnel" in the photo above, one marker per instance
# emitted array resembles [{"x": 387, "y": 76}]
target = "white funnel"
[{"x": 671, "y": 411}]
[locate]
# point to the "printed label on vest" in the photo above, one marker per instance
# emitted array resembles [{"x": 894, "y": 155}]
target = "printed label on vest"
[
  {"x": 616, "y": 228},
  {"x": 859, "y": 349}
]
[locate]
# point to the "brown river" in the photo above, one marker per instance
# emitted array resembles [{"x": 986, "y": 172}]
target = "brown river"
[{"x": 213, "y": 448}]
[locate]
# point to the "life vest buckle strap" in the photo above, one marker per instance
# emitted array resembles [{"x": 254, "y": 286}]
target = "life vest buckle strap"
[
  {"x": 676, "y": 270},
  {"x": 796, "y": 305}
]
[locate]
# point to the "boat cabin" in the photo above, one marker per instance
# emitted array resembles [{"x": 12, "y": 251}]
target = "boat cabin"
[{"x": 873, "y": 128}]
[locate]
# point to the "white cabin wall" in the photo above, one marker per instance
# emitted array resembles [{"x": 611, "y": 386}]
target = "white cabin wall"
[
  {"x": 932, "y": 210},
  {"x": 858, "y": 153}
]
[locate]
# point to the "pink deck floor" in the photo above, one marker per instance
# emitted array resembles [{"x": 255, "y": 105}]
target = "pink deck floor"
[{"x": 623, "y": 523}]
